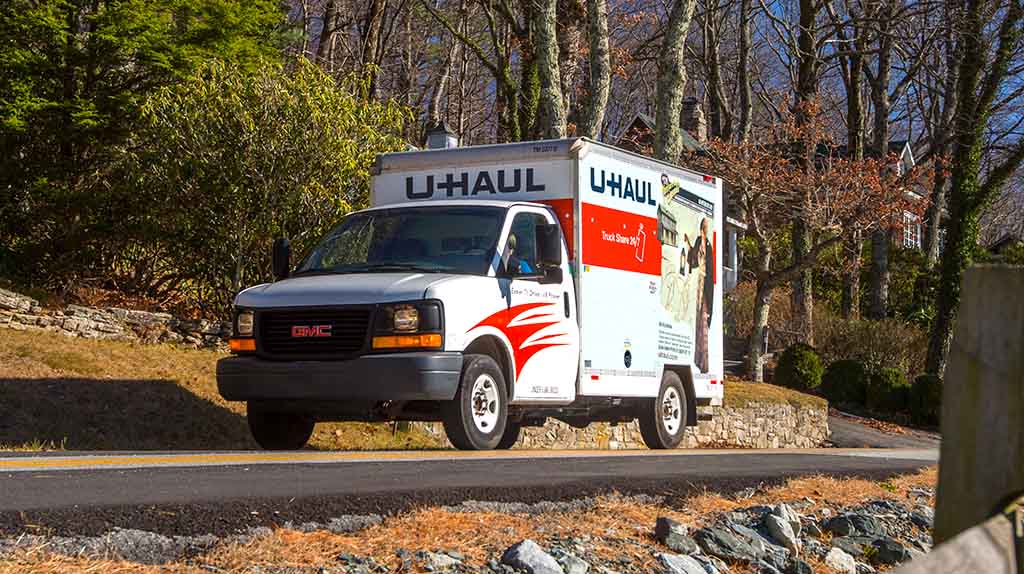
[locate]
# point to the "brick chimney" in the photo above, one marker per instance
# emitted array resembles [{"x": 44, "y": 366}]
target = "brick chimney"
[{"x": 692, "y": 119}]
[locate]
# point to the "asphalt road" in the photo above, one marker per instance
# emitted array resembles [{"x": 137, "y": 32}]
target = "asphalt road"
[{"x": 225, "y": 492}]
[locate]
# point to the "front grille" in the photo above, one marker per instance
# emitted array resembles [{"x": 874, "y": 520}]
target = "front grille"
[{"x": 348, "y": 329}]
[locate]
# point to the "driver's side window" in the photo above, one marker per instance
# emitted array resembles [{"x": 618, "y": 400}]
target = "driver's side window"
[{"x": 522, "y": 244}]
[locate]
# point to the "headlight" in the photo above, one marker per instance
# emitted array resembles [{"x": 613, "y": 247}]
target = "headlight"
[
  {"x": 405, "y": 318},
  {"x": 411, "y": 325},
  {"x": 244, "y": 324}
]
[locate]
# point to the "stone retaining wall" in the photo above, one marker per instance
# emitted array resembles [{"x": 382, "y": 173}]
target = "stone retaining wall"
[
  {"x": 756, "y": 425},
  {"x": 115, "y": 324}
]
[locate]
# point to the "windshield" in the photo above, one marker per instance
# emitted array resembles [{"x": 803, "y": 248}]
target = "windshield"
[{"x": 456, "y": 239}]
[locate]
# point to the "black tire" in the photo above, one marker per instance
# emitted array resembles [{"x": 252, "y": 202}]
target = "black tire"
[
  {"x": 279, "y": 431},
  {"x": 511, "y": 435},
  {"x": 458, "y": 414},
  {"x": 653, "y": 415}
]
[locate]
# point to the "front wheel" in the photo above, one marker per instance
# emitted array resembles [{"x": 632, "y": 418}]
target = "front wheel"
[
  {"x": 663, "y": 419},
  {"x": 475, "y": 419},
  {"x": 510, "y": 436},
  {"x": 279, "y": 431}
]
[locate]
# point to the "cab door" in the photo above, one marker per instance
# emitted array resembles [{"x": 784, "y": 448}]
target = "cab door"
[{"x": 541, "y": 328}]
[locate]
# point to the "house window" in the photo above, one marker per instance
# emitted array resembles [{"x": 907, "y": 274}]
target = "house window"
[{"x": 911, "y": 231}]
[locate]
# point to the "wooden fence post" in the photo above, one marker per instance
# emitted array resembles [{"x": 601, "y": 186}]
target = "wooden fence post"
[{"x": 982, "y": 459}]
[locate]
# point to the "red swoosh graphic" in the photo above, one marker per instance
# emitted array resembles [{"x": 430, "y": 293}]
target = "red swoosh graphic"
[{"x": 518, "y": 334}]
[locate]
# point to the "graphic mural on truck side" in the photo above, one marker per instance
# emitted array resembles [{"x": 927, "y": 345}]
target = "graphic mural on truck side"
[{"x": 687, "y": 266}]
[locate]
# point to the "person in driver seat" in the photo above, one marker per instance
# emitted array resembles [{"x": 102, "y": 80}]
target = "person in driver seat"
[{"x": 522, "y": 266}]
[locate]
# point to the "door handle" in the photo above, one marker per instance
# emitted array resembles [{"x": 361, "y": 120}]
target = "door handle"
[{"x": 565, "y": 301}]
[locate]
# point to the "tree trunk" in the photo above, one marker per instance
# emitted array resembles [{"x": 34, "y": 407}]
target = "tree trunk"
[
  {"x": 721, "y": 114},
  {"x": 551, "y": 105},
  {"x": 668, "y": 140},
  {"x": 371, "y": 44},
  {"x": 600, "y": 70},
  {"x": 880, "y": 149},
  {"x": 851, "y": 278},
  {"x": 743, "y": 74},
  {"x": 933, "y": 216},
  {"x": 325, "y": 47},
  {"x": 803, "y": 294},
  {"x": 855, "y": 151},
  {"x": 806, "y": 94},
  {"x": 762, "y": 306}
]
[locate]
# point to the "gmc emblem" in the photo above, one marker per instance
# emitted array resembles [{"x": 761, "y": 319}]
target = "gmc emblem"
[{"x": 311, "y": 331}]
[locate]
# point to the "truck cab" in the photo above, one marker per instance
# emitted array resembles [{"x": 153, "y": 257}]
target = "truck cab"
[{"x": 440, "y": 304}]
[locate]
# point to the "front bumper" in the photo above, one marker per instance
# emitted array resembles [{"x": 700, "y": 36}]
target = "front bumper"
[{"x": 426, "y": 376}]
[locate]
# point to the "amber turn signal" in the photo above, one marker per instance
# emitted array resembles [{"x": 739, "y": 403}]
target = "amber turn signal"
[
  {"x": 425, "y": 341},
  {"x": 242, "y": 345}
]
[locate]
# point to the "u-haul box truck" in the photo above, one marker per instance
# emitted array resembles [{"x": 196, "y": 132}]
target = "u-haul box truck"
[{"x": 491, "y": 288}]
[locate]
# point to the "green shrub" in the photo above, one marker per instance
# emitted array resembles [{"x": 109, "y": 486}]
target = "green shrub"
[
  {"x": 846, "y": 381},
  {"x": 799, "y": 368},
  {"x": 888, "y": 391},
  {"x": 925, "y": 400},
  {"x": 888, "y": 343}
]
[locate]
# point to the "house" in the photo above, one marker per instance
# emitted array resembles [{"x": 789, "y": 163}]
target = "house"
[
  {"x": 638, "y": 137},
  {"x": 1005, "y": 243}
]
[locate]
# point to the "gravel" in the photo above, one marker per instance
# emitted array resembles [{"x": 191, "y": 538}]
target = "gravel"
[{"x": 764, "y": 539}]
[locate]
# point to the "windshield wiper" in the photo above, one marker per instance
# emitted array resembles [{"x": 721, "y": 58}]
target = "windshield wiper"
[
  {"x": 375, "y": 268},
  {"x": 385, "y": 267}
]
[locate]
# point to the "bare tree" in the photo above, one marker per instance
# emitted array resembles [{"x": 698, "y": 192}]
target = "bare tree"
[
  {"x": 599, "y": 78},
  {"x": 552, "y": 107},
  {"x": 983, "y": 72},
  {"x": 668, "y": 141}
]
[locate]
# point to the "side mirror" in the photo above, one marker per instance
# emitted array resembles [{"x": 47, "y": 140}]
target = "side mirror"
[
  {"x": 281, "y": 258},
  {"x": 552, "y": 276},
  {"x": 549, "y": 245}
]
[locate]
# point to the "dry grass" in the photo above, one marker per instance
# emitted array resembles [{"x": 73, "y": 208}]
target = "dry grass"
[
  {"x": 619, "y": 526},
  {"x": 740, "y": 393},
  {"x": 84, "y": 395}
]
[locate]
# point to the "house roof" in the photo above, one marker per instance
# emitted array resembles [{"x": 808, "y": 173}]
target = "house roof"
[
  {"x": 1003, "y": 242},
  {"x": 644, "y": 121}
]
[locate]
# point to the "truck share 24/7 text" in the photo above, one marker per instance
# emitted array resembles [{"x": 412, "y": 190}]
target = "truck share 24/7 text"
[{"x": 491, "y": 288}]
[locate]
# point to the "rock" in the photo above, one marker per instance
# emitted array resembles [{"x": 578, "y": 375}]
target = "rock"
[
  {"x": 572, "y": 564},
  {"x": 841, "y": 562},
  {"x": 815, "y": 548},
  {"x": 889, "y": 552},
  {"x": 854, "y": 524},
  {"x": 863, "y": 568},
  {"x": 674, "y": 535},
  {"x": 717, "y": 541},
  {"x": 711, "y": 564},
  {"x": 352, "y": 523},
  {"x": 752, "y": 537},
  {"x": 923, "y": 517},
  {"x": 16, "y": 301},
  {"x": 679, "y": 564},
  {"x": 799, "y": 567},
  {"x": 853, "y": 545},
  {"x": 786, "y": 512},
  {"x": 438, "y": 562},
  {"x": 811, "y": 528},
  {"x": 529, "y": 556},
  {"x": 782, "y": 532},
  {"x": 766, "y": 568}
]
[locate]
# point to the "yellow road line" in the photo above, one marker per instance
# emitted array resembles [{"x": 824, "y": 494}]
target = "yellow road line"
[{"x": 243, "y": 458}]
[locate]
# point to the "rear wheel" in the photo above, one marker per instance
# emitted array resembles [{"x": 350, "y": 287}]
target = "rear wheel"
[
  {"x": 279, "y": 431},
  {"x": 663, "y": 419},
  {"x": 476, "y": 418}
]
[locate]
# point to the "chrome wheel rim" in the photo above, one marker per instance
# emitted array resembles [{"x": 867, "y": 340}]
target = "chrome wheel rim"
[
  {"x": 484, "y": 401},
  {"x": 671, "y": 411}
]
